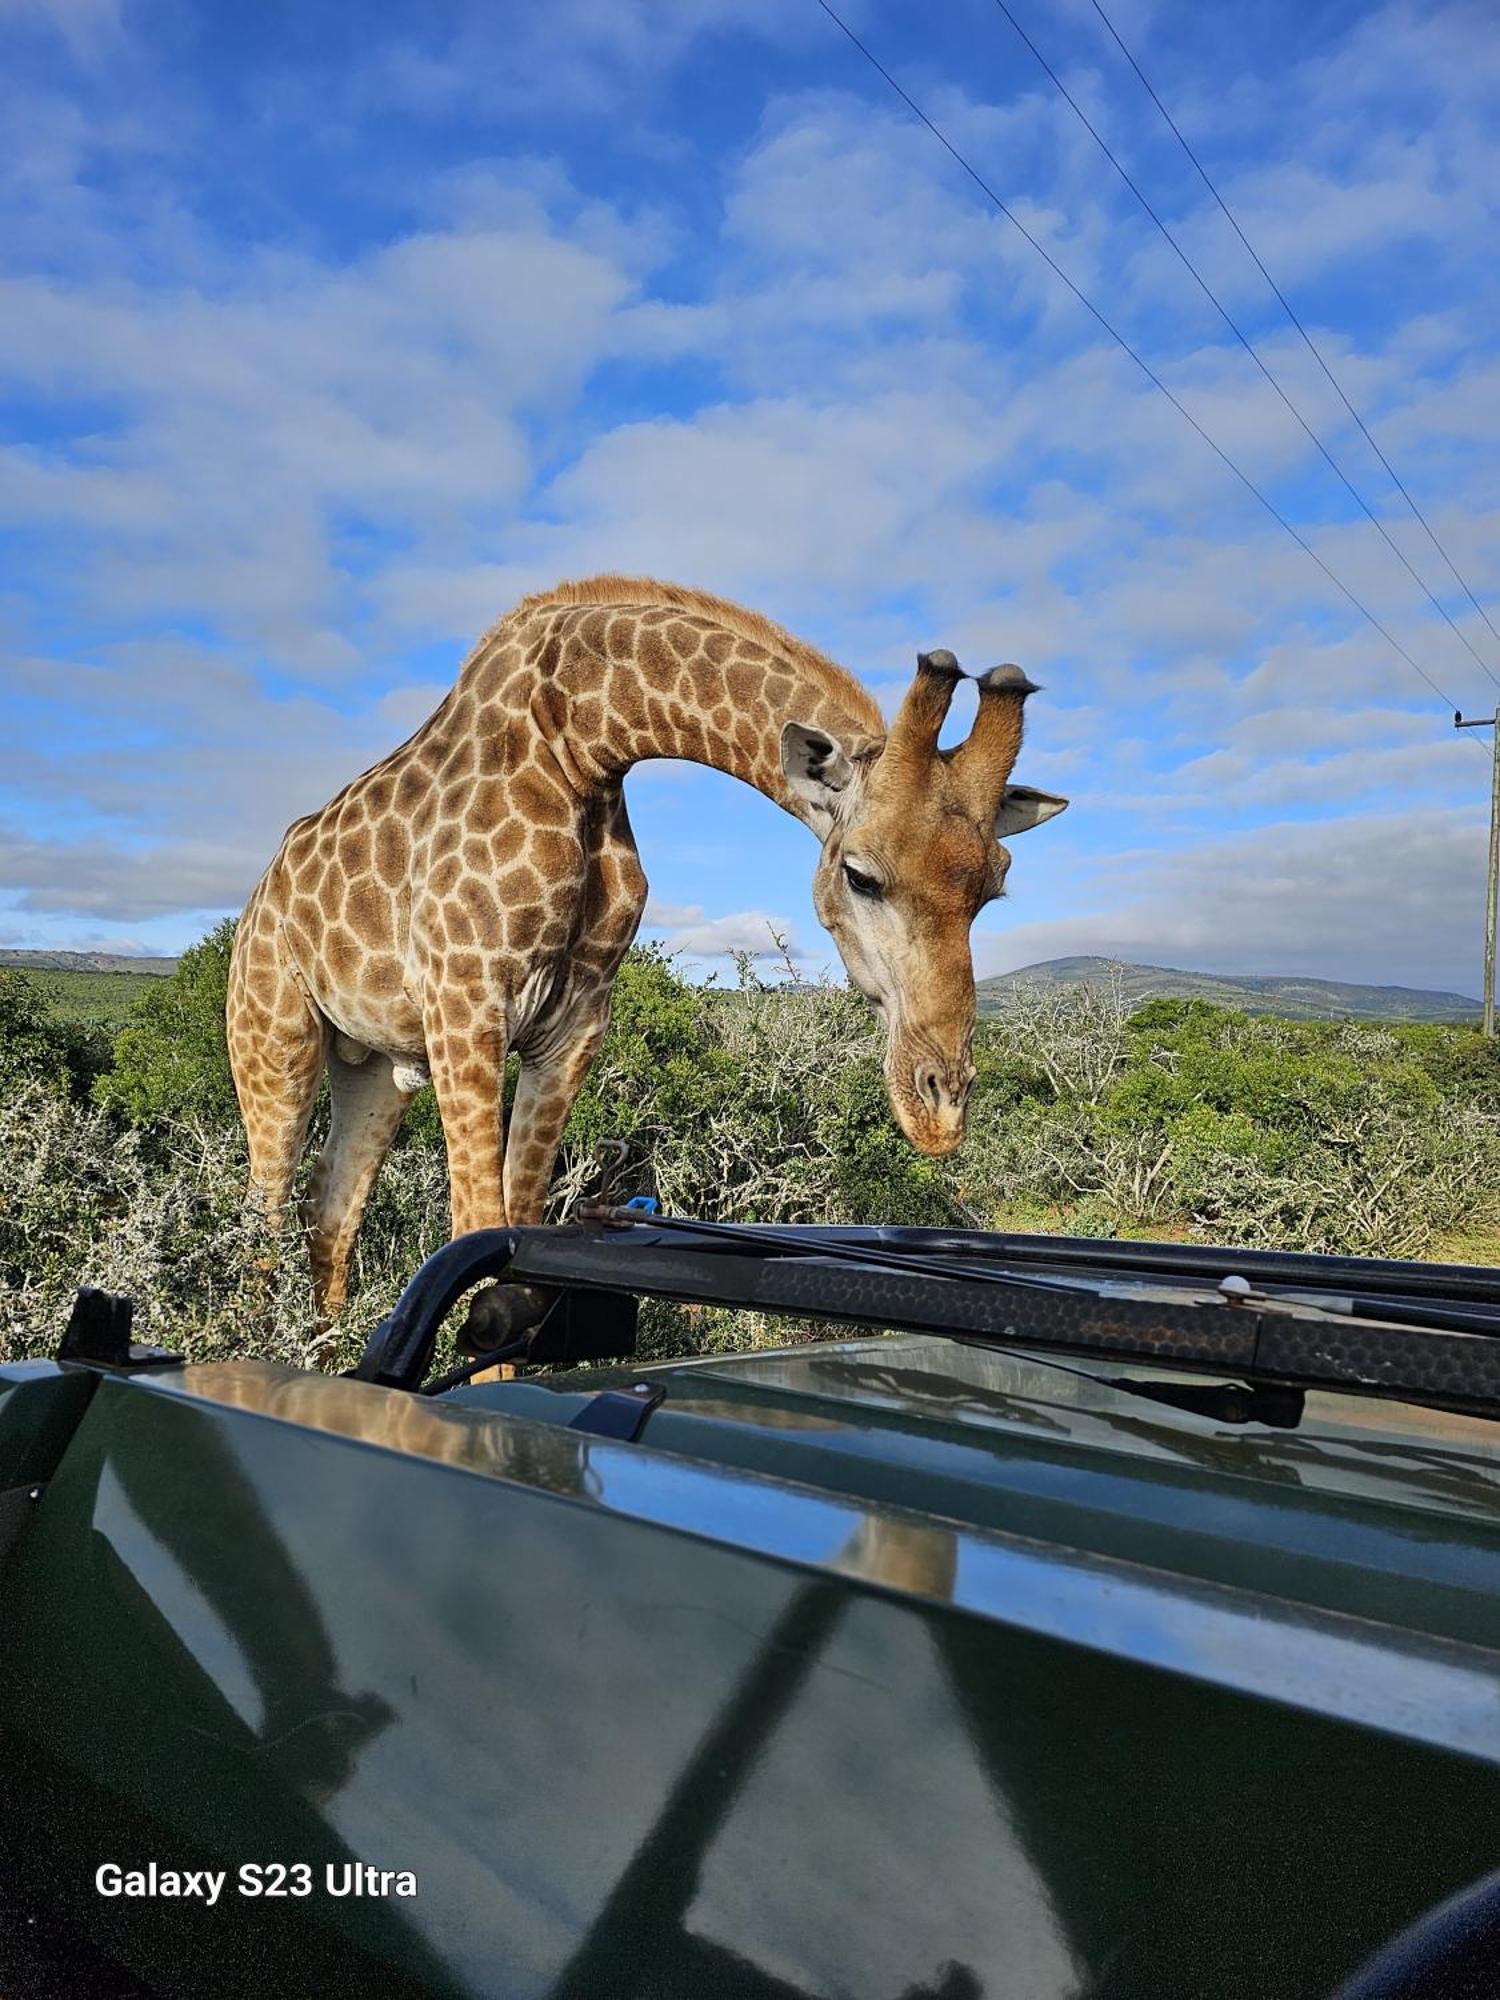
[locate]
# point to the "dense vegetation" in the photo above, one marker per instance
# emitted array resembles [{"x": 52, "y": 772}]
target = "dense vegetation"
[
  {"x": 121, "y": 1160},
  {"x": 102, "y": 1000}
]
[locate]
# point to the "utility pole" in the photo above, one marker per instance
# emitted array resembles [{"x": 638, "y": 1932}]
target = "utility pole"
[{"x": 1489, "y": 722}]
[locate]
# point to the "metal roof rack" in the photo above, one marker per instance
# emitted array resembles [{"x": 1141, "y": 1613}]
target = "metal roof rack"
[{"x": 1306, "y": 1322}]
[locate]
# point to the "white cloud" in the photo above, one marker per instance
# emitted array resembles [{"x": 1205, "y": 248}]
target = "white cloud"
[
  {"x": 585, "y": 55},
  {"x": 183, "y": 814},
  {"x": 259, "y": 434},
  {"x": 1387, "y": 898},
  {"x": 685, "y": 928},
  {"x": 874, "y": 415},
  {"x": 88, "y": 27},
  {"x": 405, "y": 709},
  {"x": 99, "y": 879}
]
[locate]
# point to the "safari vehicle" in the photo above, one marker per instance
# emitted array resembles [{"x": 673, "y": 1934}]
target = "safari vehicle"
[{"x": 1095, "y": 1619}]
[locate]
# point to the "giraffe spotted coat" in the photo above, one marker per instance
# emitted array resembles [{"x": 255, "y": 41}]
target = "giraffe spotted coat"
[{"x": 474, "y": 893}]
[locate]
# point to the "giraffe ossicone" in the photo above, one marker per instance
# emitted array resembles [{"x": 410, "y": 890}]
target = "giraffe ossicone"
[{"x": 474, "y": 893}]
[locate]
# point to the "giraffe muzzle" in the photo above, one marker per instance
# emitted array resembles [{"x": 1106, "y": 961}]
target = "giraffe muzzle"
[{"x": 930, "y": 1099}]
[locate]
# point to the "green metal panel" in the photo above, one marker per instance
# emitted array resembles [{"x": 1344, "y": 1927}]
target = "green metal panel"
[
  {"x": 40, "y": 1405},
  {"x": 648, "y": 1726}
]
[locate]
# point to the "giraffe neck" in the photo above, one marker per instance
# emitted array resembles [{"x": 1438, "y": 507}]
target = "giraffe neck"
[{"x": 692, "y": 678}]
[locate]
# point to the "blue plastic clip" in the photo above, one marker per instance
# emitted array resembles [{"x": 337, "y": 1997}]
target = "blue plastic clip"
[{"x": 643, "y": 1204}]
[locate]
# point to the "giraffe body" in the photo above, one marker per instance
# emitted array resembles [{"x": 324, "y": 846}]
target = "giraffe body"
[{"x": 475, "y": 892}]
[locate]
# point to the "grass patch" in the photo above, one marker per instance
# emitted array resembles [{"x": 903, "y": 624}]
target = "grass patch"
[{"x": 92, "y": 999}]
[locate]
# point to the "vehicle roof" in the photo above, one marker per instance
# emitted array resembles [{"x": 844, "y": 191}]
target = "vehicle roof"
[{"x": 1369, "y": 1506}]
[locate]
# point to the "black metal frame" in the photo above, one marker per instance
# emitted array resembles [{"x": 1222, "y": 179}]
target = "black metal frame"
[
  {"x": 1143, "y": 1302},
  {"x": 98, "y": 1332},
  {"x": 1376, "y": 1277}
]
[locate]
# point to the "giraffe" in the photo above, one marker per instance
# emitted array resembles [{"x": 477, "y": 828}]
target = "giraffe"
[{"x": 474, "y": 893}]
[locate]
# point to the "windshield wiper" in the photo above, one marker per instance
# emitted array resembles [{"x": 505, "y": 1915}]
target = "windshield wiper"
[
  {"x": 960, "y": 1263},
  {"x": 1282, "y": 1338},
  {"x": 1272, "y": 1403},
  {"x": 760, "y": 1237}
]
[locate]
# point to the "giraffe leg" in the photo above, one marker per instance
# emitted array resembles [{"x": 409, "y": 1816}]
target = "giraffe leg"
[
  {"x": 544, "y": 1096},
  {"x": 366, "y": 1107},
  {"x": 559, "y": 1054},
  {"x": 550, "y": 1081},
  {"x": 276, "y": 1044},
  {"x": 468, "y": 1074}
]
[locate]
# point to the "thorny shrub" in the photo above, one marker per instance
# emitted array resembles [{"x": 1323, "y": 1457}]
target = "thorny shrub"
[{"x": 762, "y": 1104}]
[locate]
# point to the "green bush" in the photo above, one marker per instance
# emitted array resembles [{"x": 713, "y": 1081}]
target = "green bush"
[
  {"x": 758, "y": 1105},
  {"x": 763, "y": 1103},
  {"x": 171, "y": 1060},
  {"x": 61, "y": 1057},
  {"x": 159, "y": 1213},
  {"x": 1196, "y": 1119},
  {"x": 32, "y": 1047}
]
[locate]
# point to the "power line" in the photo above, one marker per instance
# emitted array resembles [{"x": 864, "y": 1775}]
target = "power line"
[
  {"x": 1223, "y": 311},
  {"x": 1286, "y": 306},
  {"x": 1144, "y": 366}
]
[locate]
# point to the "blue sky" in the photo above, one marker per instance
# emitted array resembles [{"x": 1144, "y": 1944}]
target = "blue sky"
[{"x": 325, "y": 333}]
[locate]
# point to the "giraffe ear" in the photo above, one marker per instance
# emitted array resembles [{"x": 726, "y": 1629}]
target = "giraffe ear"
[
  {"x": 1022, "y": 808},
  {"x": 816, "y": 768}
]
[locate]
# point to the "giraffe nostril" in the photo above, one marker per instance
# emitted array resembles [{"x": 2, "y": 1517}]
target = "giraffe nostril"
[{"x": 930, "y": 1088}]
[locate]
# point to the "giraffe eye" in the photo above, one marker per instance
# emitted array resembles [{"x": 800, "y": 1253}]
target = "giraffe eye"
[{"x": 860, "y": 883}]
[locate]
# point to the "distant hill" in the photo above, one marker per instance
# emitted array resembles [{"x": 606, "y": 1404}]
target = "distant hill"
[
  {"x": 86, "y": 961},
  {"x": 1296, "y": 999}
]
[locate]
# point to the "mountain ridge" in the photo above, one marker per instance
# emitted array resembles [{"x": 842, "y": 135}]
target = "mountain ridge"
[
  {"x": 1289, "y": 996},
  {"x": 16, "y": 960}
]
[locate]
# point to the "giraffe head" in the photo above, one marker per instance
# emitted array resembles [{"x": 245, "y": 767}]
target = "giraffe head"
[{"x": 911, "y": 852}]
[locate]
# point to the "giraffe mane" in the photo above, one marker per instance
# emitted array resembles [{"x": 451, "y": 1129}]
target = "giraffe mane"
[{"x": 640, "y": 591}]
